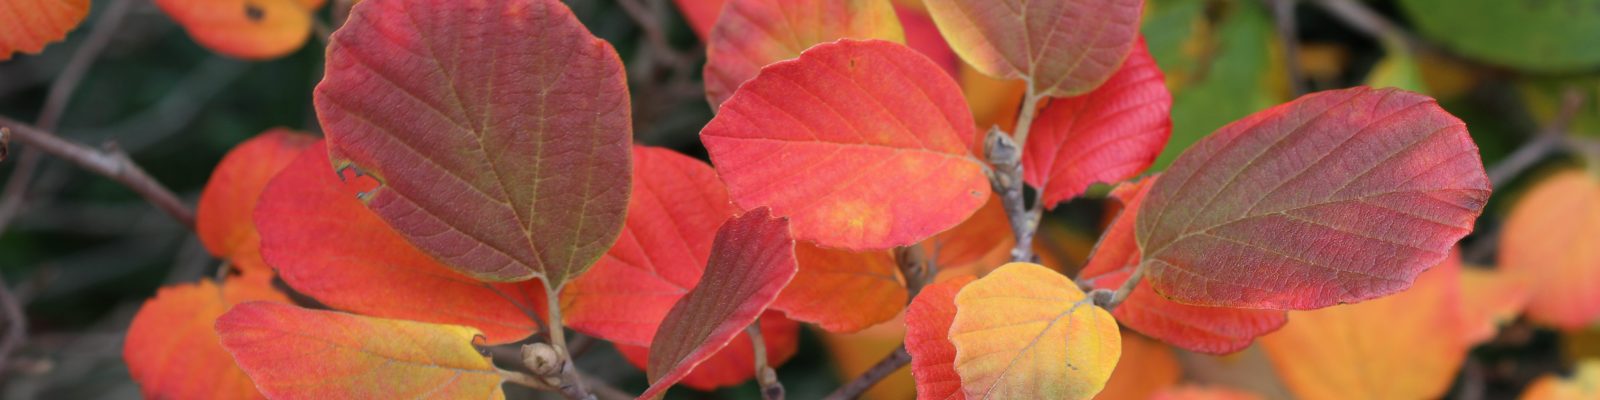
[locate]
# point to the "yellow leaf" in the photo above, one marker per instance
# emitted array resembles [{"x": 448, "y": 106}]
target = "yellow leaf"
[
  {"x": 1027, "y": 332},
  {"x": 1584, "y": 384}
]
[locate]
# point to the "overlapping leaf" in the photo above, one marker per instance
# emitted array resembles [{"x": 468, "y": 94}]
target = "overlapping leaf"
[
  {"x": 1403, "y": 346},
  {"x": 247, "y": 29},
  {"x": 1549, "y": 241},
  {"x": 842, "y": 291},
  {"x": 172, "y": 350},
  {"x": 1489, "y": 298},
  {"x": 1194, "y": 392},
  {"x": 1025, "y": 331},
  {"x": 295, "y": 353},
  {"x": 733, "y": 364},
  {"x": 751, "y": 261},
  {"x": 1062, "y": 48},
  {"x": 28, "y": 25},
  {"x": 223, "y": 219},
  {"x": 1104, "y": 136},
  {"x": 1145, "y": 368},
  {"x": 751, "y": 34},
  {"x": 868, "y": 140},
  {"x": 983, "y": 241},
  {"x": 1215, "y": 330},
  {"x": 701, "y": 14},
  {"x": 326, "y": 245},
  {"x": 933, "y": 357},
  {"x": 1337, "y": 197},
  {"x": 498, "y": 132}
]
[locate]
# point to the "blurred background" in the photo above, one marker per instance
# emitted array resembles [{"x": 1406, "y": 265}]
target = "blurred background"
[{"x": 81, "y": 252}]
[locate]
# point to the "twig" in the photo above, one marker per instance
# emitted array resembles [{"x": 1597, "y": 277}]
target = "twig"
[
  {"x": 645, "y": 17},
  {"x": 1288, "y": 37},
  {"x": 1363, "y": 19},
  {"x": 1005, "y": 177},
  {"x": 16, "y": 324},
  {"x": 1543, "y": 143},
  {"x": 771, "y": 388},
  {"x": 5, "y": 143},
  {"x": 896, "y": 360},
  {"x": 917, "y": 268},
  {"x": 109, "y": 161},
  {"x": 55, "y": 105}
]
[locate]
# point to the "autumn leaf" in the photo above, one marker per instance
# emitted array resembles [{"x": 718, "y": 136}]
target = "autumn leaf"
[
  {"x": 701, "y": 14},
  {"x": 1025, "y": 331},
  {"x": 733, "y": 364},
  {"x": 1549, "y": 241},
  {"x": 476, "y": 117},
  {"x": 1212, "y": 330},
  {"x": 842, "y": 291},
  {"x": 982, "y": 242},
  {"x": 1583, "y": 384},
  {"x": 1404, "y": 346},
  {"x": 1104, "y": 136},
  {"x": 172, "y": 350},
  {"x": 246, "y": 29},
  {"x": 326, "y": 245},
  {"x": 1489, "y": 298},
  {"x": 1195, "y": 392},
  {"x": 1062, "y": 48},
  {"x": 1145, "y": 368},
  {"x": 752, "y": 259},
  {"x": 868, "y": 140},
  {"x": 28, "y": 25},
  {"x": 933, "y": 356},
  {"x": 1249, "y": 216},
  {"x": 223, "y": 219},
  {"x": 751, "y": 34},
  {"x": 924, "y": 37},
  {"x": 295, "y": 353}
]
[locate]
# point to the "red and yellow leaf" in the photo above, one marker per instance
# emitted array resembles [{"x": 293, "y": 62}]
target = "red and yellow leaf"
[
  {"x": 498, "y": 132},
  {"x": 247, "y": 29},
  {"x": 751, "y": 34},
  {"x": 868, "y": 140},
  {"x": 1213, "y": 330},
  {"x": 326, "y": 245},
  {"x": 842, "y": 291},
  {"x": 752, "y": 259},
  {"x": 1025, "y": 331},
  {"x": 295, "y": 353},
  {"x": 1489, "y": 298},
  {"x": 733, "y": 364},
  {"x": 223, "y": 219},
  {"x": 1584, "y": 384},
  {"x": 1193, "y": 392},
  {"x": 1404, "y": 346},
  {"x": 172, "y": 350},
  {"x": 1337, "y": 197},
  {"x": 1062, "y": 48},
  {"x": 1107, "y": 135},
  {"x": 933, "y": 356},
  {"x": 701, "y": 14},
  {"x": 28, "y": 25},
  {"x": 1549, "y": 241},
  {"x": 1145, "y": 368}
]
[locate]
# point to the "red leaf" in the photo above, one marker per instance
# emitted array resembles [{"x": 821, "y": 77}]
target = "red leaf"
[
  {"x": 868, "y": 140},
  {"x": 673, "y": 216},
  {"x": 1062, "y": 47},
  {"x": 923, "y": 35},
  {"x": 1110, "y": 134},
  {"x": 223, "y": 218},
  {"x": 326, "y": 245},
  {"x": 28, "y": 25},
  {"x": 751, "y": 34},
  {"x": 751, "y": 260},
  {"x": 933, "y": 357},
  {"x": 1213, "y": 330},
  {"x": 173, "y": 352},
  {"x": 498, "y": 131},
  {"x": 733, "y": 364},
  {"x": 842, "y": 291},
  {"x": 1337, "y": 197},
  {"x": 701, "y": 14}
]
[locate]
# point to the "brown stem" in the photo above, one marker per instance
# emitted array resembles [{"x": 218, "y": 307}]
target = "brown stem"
[
  {"x": 771, "y": 388},
  {"x": 16, "y": 324},
  {"x": 1543, "y": 143},
  {"x": 108, "y": 161},
  {"x": 893, "y": 362},
  {"x": 1005, "y": 177},
  {"x": 1283, "y": 18},
  {"x": 654, "y": 34}
]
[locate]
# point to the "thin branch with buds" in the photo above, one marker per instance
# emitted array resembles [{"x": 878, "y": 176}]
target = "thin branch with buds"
[{"x": 108, "y": 161}]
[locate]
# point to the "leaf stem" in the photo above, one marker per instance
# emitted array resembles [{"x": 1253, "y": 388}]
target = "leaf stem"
[
  {"x": 771, "y": 388},
  {"x": 891, "y": 363}
]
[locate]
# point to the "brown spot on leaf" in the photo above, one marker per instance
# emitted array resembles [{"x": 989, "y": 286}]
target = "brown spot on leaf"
[{"x": 254, "y": 12}]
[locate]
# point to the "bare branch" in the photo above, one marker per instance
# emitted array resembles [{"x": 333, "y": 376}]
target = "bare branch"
[
  {"x": 896, "y": 360},
  {"x": 1288, "y": 37},
  {"x": 16, "y": 331},
  {"x": 771, "y": 388},
  {"x": 109, "y": 161}
]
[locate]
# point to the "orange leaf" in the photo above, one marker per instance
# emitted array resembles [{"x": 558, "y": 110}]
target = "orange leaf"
[
  {"x": 1213, "y": 330},
  {"x": 247, "y": 29},
  {"x": 751, "y": 34},
  {"x": 223, "y": 219},
  {"x": 933, "y": 357},
  {"x": 327, "y": 245},
  {"x": 1146, "y": 367},
  {"x": 295, "y": 353},
  {"x": 1025, "y": 331},
  {"x": 1063, "y": 47},
  {"x": 1489, "y": 298},
  {"x": 868, "y": 140},
  {"x": 172, "y": 350},
  {"x": 1549, "y": 240},
  {"x": 1404, "y": 346},
  {"x": 733, "y": 364},
  {"x": 1584, "y": 384},
  {"x": 1191, "y": 392},
  {"x": 983, "y": 241},
  {"x": 28, "y": 25},
  {"x": 842, "y": 291},
  {"x": 752, "y": 259}
]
